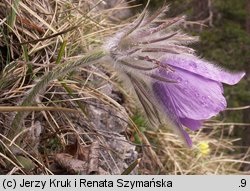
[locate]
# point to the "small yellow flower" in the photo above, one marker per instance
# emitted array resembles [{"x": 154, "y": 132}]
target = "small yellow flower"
[{"x": 204, "y": 148}]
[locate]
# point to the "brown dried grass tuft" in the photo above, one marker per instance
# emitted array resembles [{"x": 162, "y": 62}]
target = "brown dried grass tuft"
[{"x": 213, "y": 152}]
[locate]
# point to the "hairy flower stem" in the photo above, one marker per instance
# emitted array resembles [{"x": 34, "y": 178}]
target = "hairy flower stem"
[{"x": 40, "y": 86}]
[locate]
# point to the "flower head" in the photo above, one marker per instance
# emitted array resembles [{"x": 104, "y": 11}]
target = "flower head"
[
  {"x": 173, "y": 85},
  {"x": 204, "y": 148}
]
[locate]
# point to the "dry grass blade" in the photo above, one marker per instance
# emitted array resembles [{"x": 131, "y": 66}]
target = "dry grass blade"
[
  {"x": 34, "y": 108},
  {"x": 131, "y": 167}
]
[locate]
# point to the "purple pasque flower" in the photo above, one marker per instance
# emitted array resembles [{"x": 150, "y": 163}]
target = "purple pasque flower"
[
  {"x": 173, "y": 85},
  {"x": 197, "y": 94}
]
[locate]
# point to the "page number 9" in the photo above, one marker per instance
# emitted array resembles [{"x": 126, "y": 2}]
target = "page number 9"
[{"x": 243, "y": 183}]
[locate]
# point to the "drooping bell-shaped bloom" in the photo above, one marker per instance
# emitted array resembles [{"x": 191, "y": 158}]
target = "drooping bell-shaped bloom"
[
  {"x": 197, "y": 94},
  {"x": 173, "y": 85}
]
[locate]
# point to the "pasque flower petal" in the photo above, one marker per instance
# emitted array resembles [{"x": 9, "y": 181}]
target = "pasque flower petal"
[
  {"x": 191, "y": 123},
  {"x": 201, "y": 67},
  {"x": 164, "y": 97},
  {"x": 194, "y": 96}
]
